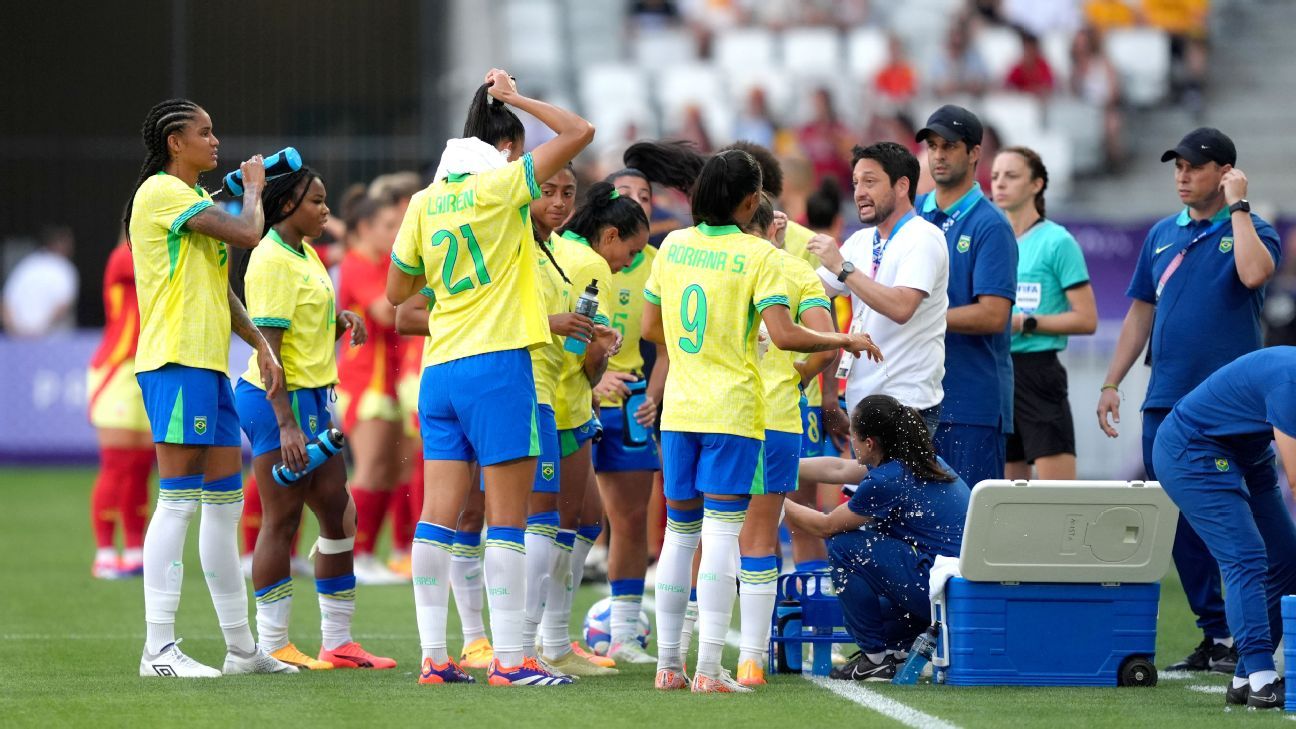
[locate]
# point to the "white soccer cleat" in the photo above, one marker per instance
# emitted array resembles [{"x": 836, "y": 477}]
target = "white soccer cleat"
[
  {"x": 630, "y": 652},
  {"x": 369, "y": 571},
  {"x": 257, "y": 662},
  {"x": 721, "y": 683},
  {"x": 171, "y": 662}
]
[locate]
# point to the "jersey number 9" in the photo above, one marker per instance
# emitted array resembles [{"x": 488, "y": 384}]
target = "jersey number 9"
[
  {"x": 693, "y": 317},
  {"x": 452, "y": 257}
]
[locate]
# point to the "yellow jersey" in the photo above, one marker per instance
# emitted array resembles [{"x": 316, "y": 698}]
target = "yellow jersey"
[
  {"x": 547, "y": 361},
  {"x": 573, "y": 406},
  {"x": 471, "y": 235},
  {"x": 291, "y": 290},
  {"x": 181, "y": 277},
  {"x": 711, "y": 283},
  {"x": 779, "y": 376},
  {"x": 626, "y": 315},
  {"x": 794, "y": 241}
]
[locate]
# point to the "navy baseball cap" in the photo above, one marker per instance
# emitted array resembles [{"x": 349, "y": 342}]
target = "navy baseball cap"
[
  {"x": 953, "y": 123},
  {"x": 1202, "y": 145}
]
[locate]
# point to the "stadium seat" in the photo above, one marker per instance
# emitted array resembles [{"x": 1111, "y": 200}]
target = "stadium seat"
[
  {"x": 1013, "y": 115},
  {"x": 744, "y": 49},
  {"x": 1082, "y": 124},
  {"x": 866, "y": 52},
  {"x": 812, "y": 52},
  {"x": 1057, "y": 51},
  {"x": 613, "y": 84},
  {"x": 1000, "y": 48},
  {"x": 539, "y": 23},
  {"x": 1055, "y": 149},
  {"x": 681, "y": 86},
  {"x": 1142, "y": 56},
  {"x": 664, "y": 45},
  {"x": 781, "y": 92}
]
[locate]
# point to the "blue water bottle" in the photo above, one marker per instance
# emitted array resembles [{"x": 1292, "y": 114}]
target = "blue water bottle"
[
  {"x": 280, "y": 163},
  {"x": 317, "y": 451},
  {"x": 587, "y": 306},
  {"x": 924, "y": 646},
  {"x": 634, "y": 435}
]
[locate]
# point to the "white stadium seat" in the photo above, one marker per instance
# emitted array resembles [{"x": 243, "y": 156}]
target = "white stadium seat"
[
  {"x": 744, "y": 48},
  {"x": 1142, "y": 56},
  {"x": 1000, "y": 48},
  {"x": 814, "y": 52},
  {"x": 664, "y": 45},
  {"x": 866, "y": 52}
]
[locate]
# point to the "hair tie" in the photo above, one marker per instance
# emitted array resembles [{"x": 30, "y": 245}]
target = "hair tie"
[{"x": 614, "y": 195}]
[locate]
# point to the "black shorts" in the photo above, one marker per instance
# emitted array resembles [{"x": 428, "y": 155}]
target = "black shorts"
[{"x": 1041, "y": 411}]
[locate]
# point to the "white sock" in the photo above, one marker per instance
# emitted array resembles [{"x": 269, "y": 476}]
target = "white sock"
[
  {"x": 1239, "y": 681},
  {"x": 674, "y": 575},
  {"x": 430, "y": 564},
  {"x": 717, "y": 585},
  {"x": 585, "y": 537},
  {"x": 163, "y": 566},
  {"x": 132, "y": 555},
  {"x": 759, "y": 579},
  {"x": 505, "y": 567},
  {"x": 272, "y": 621},
  {"x": 689, "y": 624},
  {"x": 542, "y": 555},
  {"x": 106, "y": 554},
  {"x": 1260, "y": 679},
  {"x": 218, "y": 552},
  {"x": 335, "y": 621},
  {"x": 625, "y": 619},
  {"x": 466, "y": 581},
  {"x": 555, "y": 626},
  {"x": 1223, "y": 641}
]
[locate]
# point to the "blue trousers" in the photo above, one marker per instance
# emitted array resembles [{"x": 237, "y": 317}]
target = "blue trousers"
[
  {"x": 1236, "y": 509},
  {"x": 882, "y": 585},
  {"x": 975, "y": 452},
  {"x": 1199, "y": 573}
]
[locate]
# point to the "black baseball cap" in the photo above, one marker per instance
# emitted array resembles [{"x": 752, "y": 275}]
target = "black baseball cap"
[
  {"x": 953, "y": 123},
  {"x": 1202, "y": 145}
]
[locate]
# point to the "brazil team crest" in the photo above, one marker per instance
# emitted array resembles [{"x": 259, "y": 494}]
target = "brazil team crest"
[
  {"x": 624, "y": 298},
  {"x": 547, "y": 470},
  {"x": 1221, "y": 464},
  {"x": 1226, "y": 245},
  {"x": 964, "y": 243},
  {"x": 313, "y": 422},
  {"x": 200, "y": 424}
]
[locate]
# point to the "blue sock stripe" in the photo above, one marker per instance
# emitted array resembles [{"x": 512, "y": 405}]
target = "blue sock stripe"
[
  {"x": 758, "y": 564},
  {"x": 627, "y": 589},
  {"x": 589, "y": 532},
  {"x": 275, "y": 588},
  {"x": 813, "y": 565},
  {"x": 434, "y": 534},
  {"x": 471, "y": 539},
  {"x": 684, "y": 516},
  {"x": 547, "y": 518},
  {"x": 505, "y": 534},
  {"x": 728, "y": 505},
  {"x": 692, "y": 594},
  {"x": 181, "y": 488},
  {"x": 565, "y": 540},
  {"x": 336, "y": 586},
  {"x": 229, "y": 483}
]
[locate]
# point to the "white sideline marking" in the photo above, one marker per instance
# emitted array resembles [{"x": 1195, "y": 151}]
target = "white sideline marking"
[
  {"x": 1176, "y": 675},
  {"x": 1206, "y": 689},
  {"x": 890, "y": 708}
]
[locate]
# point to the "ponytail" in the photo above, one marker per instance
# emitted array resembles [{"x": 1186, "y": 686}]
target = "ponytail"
[
  {"x": 279, "y": 199},
  {"x": 725, "y": 180},
  {"x": 164, "y": 119},
  {"x": 603, "y": 207},
  {"x": 673, "y": 164},
  {"x": 902, "y": 434},
  {"x": 490, "y": 120}
]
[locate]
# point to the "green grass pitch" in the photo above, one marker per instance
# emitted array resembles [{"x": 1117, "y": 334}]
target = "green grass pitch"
[{"x": 71, "y": 649}]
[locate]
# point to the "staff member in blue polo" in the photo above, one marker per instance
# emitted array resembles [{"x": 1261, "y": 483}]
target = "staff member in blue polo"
[
  {"x": 1213, "y": 454},
  {"x": 1202, "y": 270},
  {"x": 977, "y": 412}
]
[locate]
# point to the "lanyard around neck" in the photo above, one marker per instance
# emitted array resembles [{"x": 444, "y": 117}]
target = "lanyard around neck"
[{"x": 880, "y": 246}]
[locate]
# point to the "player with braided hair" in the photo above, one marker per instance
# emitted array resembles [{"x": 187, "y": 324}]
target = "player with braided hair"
[{"x": 187, "y": 311}]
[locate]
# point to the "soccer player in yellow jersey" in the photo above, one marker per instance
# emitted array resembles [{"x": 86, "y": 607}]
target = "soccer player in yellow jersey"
[
  {"x": 292, "y": 301},
  {"x": 187, "y": 312},
  {"x": 468, "y": 239},
  {"x": 709, "y": 286}
]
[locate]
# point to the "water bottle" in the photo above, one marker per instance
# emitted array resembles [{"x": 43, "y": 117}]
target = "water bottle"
[
  {"x": 848, "y": 359},
  {"x": 280, "y": 163},
  {"x": 317, "y": 451},
  {"x": 586, "y": 305},
  {"x": 633, "y": 434},
  {"x": 924, "y": 646}
]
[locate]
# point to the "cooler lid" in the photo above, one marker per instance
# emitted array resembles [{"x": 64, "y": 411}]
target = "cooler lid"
[{"x": 1068, "y": 531}]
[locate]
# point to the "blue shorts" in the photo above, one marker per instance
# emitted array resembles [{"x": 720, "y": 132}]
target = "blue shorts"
[
  {"x": 812, "y": 436},
  {"x": 570, "y": 440},
  {"x": 256, "y": 414},
  {"x": 190, "y": 406},
  {"x": 612, "y": 454},
  {"x": 781, "y": 462},
  {"x": 546, "y": 478},
  {"x": 480, "y": 408},
  {"x": 711, "y": 463}
]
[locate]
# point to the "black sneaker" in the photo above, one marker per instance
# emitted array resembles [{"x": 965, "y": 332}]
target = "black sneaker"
[
  {"x": 860, "y": 668},
  {"x": 1208, "y": 656},
  {"x": 1237, "y": 696},
  {"x": 1270, "y": 696}
]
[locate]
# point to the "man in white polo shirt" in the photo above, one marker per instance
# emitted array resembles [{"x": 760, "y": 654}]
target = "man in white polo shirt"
[{"x": 896, "y": 271}]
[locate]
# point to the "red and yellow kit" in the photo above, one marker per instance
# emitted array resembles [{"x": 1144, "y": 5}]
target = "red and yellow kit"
[
  {"x": 368, "y": 375},
  {"x": 114, "y": 394}
]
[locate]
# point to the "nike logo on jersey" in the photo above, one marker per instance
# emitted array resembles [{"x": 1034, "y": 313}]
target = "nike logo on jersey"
[{"x": 1158, "y": 251}]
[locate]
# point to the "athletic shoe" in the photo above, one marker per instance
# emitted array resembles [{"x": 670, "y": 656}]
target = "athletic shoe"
[
  {"x": 630, "y": 652},
  {"x": 402, "y": 564},
  {"x": 477, "y": 654},
  {"x": 554, "y": 671},
  {"x": 258, "y": 661},
  {"x": 106, "y": 569},
  {"x": 1237, "y": 696},
  {"x": 860, "y": 668},
  {"x": 670, "y": 679},
  {"x": 573, "y": 664},
  {"x": 369, "y": 571},
  {"x": 293, "y": 657},
  {"x": 528, "y": 674},
  {"x": 721, "y": 683},
  {"x": 448, "y": 672},
  {"x": 130, "y": 568},
  {"x": 1269, "y": 696},
  {"x": 351, "y": 655},
  {"x": 751, "y": 673},
  {"x": 1208, "y": 656},
  {"x": 597, "y": 660},
  {"x": 170, "y": 662}
]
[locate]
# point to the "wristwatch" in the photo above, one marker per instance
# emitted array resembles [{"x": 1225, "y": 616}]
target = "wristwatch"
[
  {"x": 847, "y": 269},
  {"x": 1029, "y": 324},
  {"x": 1240, "y": 205}
]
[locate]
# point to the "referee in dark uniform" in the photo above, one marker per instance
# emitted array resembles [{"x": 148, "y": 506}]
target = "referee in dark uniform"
[{"x": 1197, "y": 291}]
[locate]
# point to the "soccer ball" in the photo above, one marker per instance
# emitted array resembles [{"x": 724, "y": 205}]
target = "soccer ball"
[{"x": 598, "y": 627}]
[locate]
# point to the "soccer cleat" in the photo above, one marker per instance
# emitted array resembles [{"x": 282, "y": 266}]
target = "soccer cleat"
[
  {"x": 106, "y": 569},
  {"x": 721, "y": 683},
  {"x": 477, "y": 654},
  {"x": 1237, "y": 696},
  {"x": 597, "y": 660},
  {"x": 1270, "y": 696},
  {"x": 130, "y": 568},
  {"x": 1208, "y": 656},
  {"x": 751, "y": 673},
  {"x": 528, "y": 674},
  {"x": 402, "y": 564},
  {"x": 170, "y": 662},
  {"x": 369, "y": 571},
  {"x": 258, "y": 661},
  {"x": 351, "y": 655},
  {"x": 630, "y": 652},
  {"x": 554, "y": 671},
  {"x": 860, "y": 668},
  {"x": 293, "y": 657},
  {"x": 448, "y": 672},
  {"x": 670, "y": 679},
  {"x": 574, "y": 664}
]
